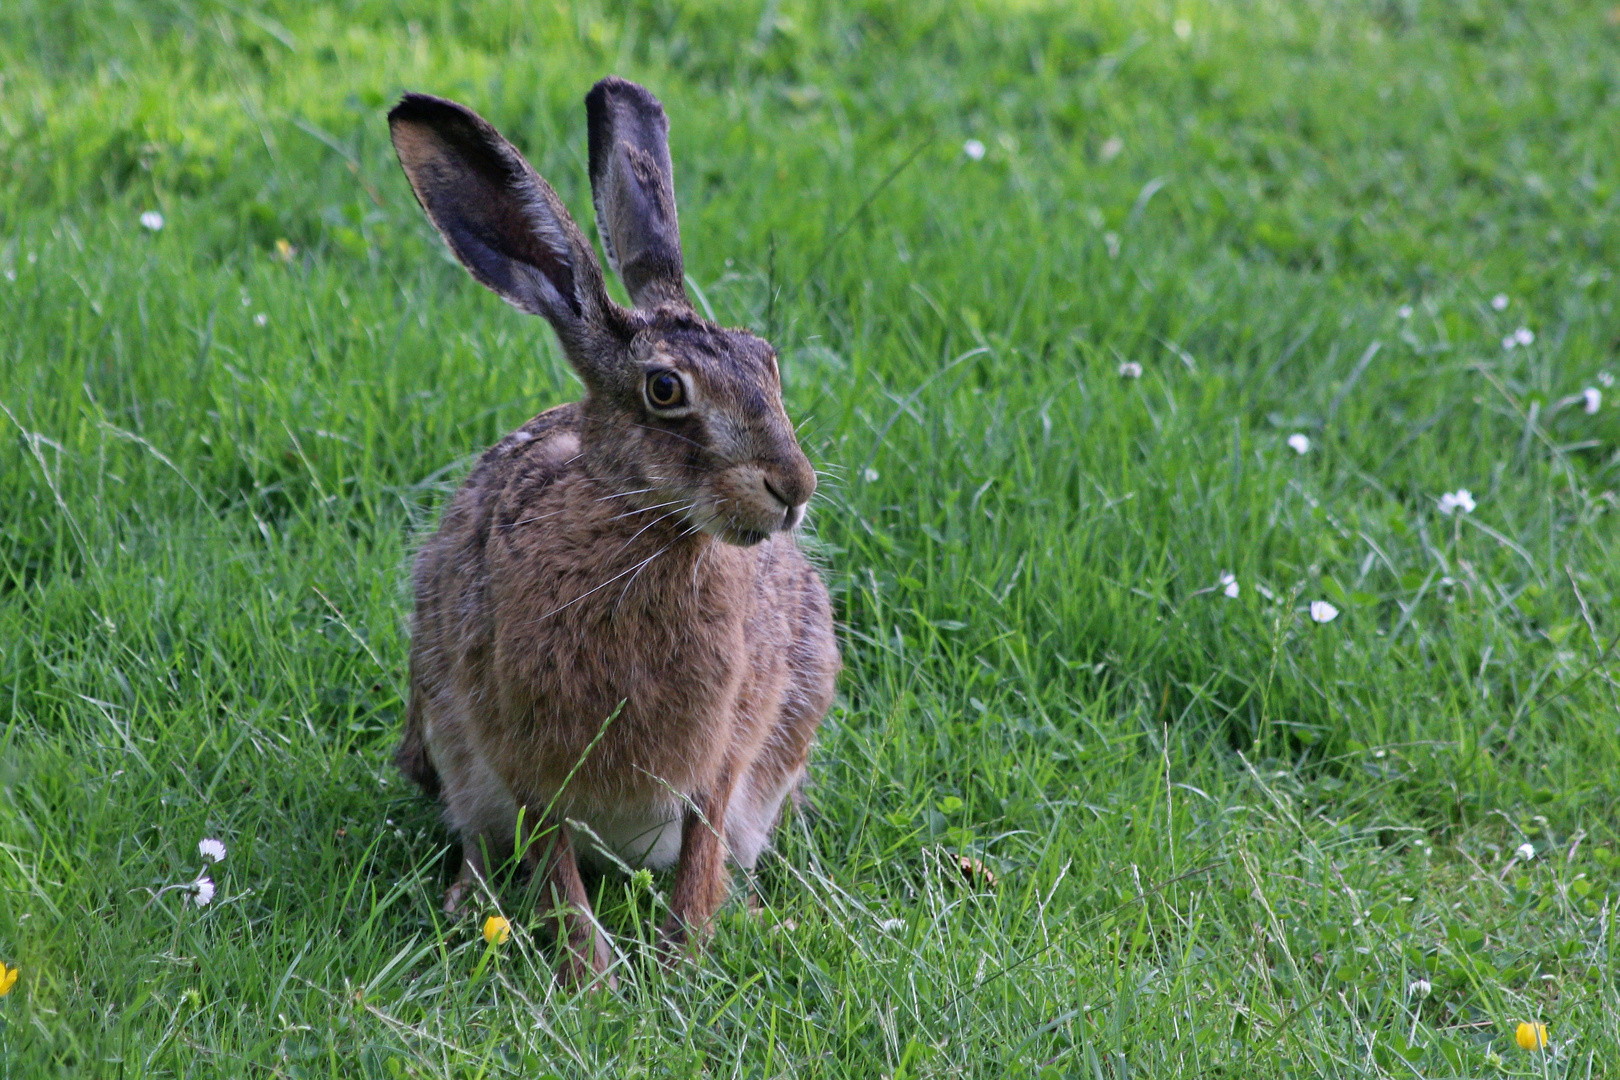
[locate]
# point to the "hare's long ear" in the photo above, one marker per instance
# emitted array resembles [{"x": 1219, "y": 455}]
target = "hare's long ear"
[
  {"x": 633, "y": 188},
  {"x": 502, "y": 220}
]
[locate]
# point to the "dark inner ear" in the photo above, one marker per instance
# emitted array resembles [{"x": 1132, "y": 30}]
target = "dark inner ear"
[
  {"x": 484, "y": 199},
  {"x": 632, "y": 186}
]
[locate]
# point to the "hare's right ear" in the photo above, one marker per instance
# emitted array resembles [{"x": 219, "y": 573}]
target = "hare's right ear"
[
  {"x": 633, "y": 187},
  {"x": 500, "y": 218}
]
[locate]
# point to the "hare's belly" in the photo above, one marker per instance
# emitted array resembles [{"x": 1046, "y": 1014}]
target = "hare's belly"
[{"x": 636, "y": 836}]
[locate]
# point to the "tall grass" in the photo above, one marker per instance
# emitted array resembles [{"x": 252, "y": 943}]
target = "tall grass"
[{"x": 1226, "y": 839}]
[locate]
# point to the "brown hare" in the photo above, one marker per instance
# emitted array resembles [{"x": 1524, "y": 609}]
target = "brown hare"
[{"x": 616, "y": 641}]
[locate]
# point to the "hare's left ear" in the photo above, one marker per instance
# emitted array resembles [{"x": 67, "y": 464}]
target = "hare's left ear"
[
  {"x": 632, "y": 185},
  {"x": 500, "y": 218}
]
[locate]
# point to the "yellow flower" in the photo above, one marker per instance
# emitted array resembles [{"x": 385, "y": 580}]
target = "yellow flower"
[
  {"x": 8, "y": 979},
  {"x": 1531, "y": 1036},
  {"x": 497, "y": 930}
]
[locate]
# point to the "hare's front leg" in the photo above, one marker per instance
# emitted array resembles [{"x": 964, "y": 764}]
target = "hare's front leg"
[
  {"x": 564, "y": 901},
  {"x": 701, "y": 881}
]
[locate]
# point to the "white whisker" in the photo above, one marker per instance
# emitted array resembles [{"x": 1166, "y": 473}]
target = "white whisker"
[
  {"x": 646, "y": 509},
  {"x": 614, "y": 578},
  {"x": 626, "y": 590}
]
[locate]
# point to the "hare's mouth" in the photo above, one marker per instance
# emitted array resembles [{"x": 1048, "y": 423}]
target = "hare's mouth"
[{"x": 745, "y": 537}]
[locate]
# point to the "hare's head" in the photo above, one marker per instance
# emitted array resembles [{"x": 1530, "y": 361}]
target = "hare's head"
[{"x": 679, "y": 413}]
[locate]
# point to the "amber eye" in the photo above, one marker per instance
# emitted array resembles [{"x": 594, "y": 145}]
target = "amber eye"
[{"x": 664, "y": 390}]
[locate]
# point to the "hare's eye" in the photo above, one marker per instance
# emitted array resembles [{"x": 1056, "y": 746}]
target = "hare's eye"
[{"x": 664, "y": 390}]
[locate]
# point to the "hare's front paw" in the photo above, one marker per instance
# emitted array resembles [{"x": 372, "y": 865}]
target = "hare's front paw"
[
  {"x": 585, "y": 965},
  {"x": 456, "y": 895},
  {"x": 678, "y": 941}
]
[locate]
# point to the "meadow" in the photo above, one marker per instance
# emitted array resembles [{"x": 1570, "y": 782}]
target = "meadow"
[{"x": 1192, "y": 724}]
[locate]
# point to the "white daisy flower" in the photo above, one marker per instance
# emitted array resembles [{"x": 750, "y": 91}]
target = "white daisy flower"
[
  {"x": 152, "y": 221},
  {"x": 1524, "y": 852},
  {"x": 205, "y": 891},
  {"x": 261, "y": 319},
  {"x": 1499, "y": 302},
  {"x": 1299, "y": 443},
  {"x": 1605, "y": 378},
  {"x": 1229, "y": 585},
  {"x": 1405, "y": 311},
  {"x": 1524, "y": 335},
  {"x": 974, "y": 149},
  {"x": 1592, "y": 399},
  {"x": 212, "y": 850},
  {"x": 1453, "y": 501},
  {"x": 1419, "y": 988},
  {"x": 1111, "y": 148},
  {"x": 1323, "y": 612},
  {"x": 1130, "y": 369}
]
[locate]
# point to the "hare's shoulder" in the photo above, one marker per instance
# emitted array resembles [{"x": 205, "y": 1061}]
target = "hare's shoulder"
[
  {"x": 544, "y": 445},
  {"x": 525, "y": 463}
]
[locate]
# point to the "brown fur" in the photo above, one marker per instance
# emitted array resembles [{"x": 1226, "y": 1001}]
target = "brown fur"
[{"x": 615, "y": 633}]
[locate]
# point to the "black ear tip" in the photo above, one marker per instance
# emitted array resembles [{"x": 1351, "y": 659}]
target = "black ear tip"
[
  {"x": 425, "y": 108},
  {"x": 615, "y": 89}
]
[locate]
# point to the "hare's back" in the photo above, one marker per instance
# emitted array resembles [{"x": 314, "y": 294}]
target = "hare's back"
[{"x": 452, "y": 619}]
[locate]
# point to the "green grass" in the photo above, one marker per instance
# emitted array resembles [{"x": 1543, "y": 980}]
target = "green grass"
[{"x": 1228, "y": 839}]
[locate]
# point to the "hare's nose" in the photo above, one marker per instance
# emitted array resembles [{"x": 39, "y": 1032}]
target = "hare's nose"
[
  {"x": 792, "y": 510},
  {"x": 776, "y": 493},
  {"x": 790, "y": 482}
]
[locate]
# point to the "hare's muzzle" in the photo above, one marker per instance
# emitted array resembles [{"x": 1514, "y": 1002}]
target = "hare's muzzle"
[
  {"x": 752, "y": 501},
  {"x": 792, "y": 509}
]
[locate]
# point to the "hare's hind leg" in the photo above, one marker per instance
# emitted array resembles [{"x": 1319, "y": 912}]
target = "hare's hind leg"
[{"x": 478, "y": 806}]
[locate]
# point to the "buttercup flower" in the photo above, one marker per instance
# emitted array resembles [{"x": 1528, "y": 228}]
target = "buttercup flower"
[
  {"x": 1531, "y": 1036},
  {"x": 212, "y": 850},
  {"x": 8, "y": 979},
  {"x": 1452, "y": 501},
  {"x": 1299, "y": 444},
  {"x": 497, "y": 930}
]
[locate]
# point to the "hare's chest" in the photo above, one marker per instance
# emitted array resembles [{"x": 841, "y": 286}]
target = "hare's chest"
[
  {"x": 643, "y": 834},
  {"x": 623, "y": 688}
]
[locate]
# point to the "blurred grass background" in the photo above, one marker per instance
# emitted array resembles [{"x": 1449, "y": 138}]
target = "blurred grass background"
[{"x": 1229, "y": 840}]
